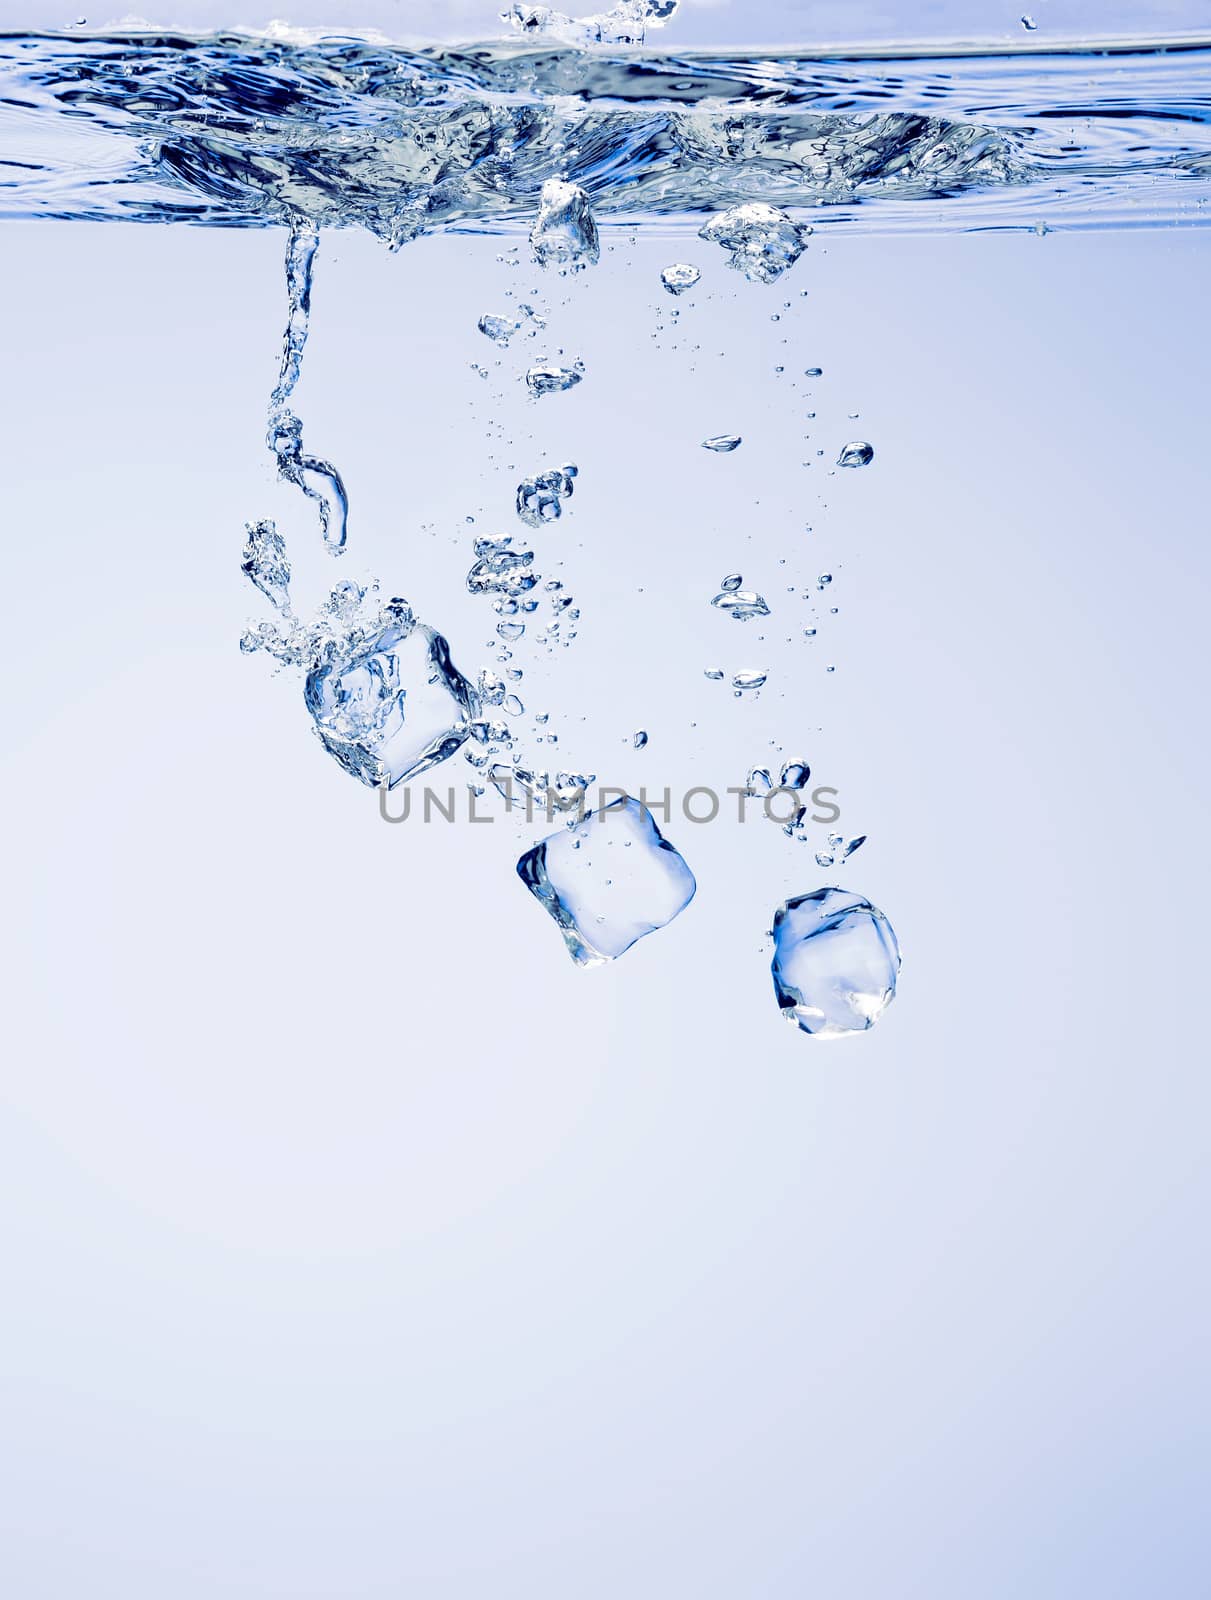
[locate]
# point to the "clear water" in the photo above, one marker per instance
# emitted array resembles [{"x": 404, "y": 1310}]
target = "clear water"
[
  {"x": 357, "y": 1242},
  {"x": 560, "y": 141}
]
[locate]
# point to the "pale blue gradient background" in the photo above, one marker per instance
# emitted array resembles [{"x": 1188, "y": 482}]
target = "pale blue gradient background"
[{"x": 355, "y": 1243}]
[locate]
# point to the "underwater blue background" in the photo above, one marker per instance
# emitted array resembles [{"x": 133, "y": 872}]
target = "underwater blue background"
[{"x": 358, "y": 1244}]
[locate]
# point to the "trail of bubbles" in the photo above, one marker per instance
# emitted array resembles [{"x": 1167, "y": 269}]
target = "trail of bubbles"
[{"x": 285, "y": 434}]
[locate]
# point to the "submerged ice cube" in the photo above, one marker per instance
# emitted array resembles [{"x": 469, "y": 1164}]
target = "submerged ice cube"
[
  {"x": 608, "y": 881},
  {"x": 564, "y": 233},
  {"x": 393, "y": 705},
  {"x": 835, "y": 964},
  {"x": 761, "y": 241}
]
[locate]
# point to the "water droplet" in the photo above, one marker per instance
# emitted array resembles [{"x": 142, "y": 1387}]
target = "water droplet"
[
  {"x": 823, "y": 581},
  {"x": 723, "y": 443},
  {"x": 731, "y": 582},
  {"x": 603, "y": 896},
  {"x": 680, "y": 277},
  {"x": 796, "y": 775},
  {"x": 856, "y": 454},
  {"x": 749, "y": 680},
  {"x": 640, "y": 739},
  {"x": 813, "y": 372},
  {"x": 1029, "y": 24},
  {"x": 836, "y": 962},
  {"x": 714, "y": 673},
  {"x": 509, "y": 631},
  {"x": 742, "y": 604}
]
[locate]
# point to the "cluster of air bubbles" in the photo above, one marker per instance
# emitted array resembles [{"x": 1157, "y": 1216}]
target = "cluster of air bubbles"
[
  {"x": 564, "y": 234},
  {"x": 501, "y": 570},
  {"x": 494, "y": 691},
  {"x": 838, "y": 849},
  {"x": 626, "y": 22},
  {"x": 523, "y": 789},
  {"x": 540, "y": 498},
  {"x": 550, "y": 378},
  {"x": 500, "y": 329},
  {"x": 680, "y": 277},
  {"x": 565, "y": 614},
  {"x": 761, "y": 241},
  {"x": 723, "y": 443},
  {"x": 792, "y": 781},
  {"x": 265, "y": 563}
]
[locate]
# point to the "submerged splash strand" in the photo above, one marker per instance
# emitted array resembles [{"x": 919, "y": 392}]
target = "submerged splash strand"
[{"x": 285, "y": 436}]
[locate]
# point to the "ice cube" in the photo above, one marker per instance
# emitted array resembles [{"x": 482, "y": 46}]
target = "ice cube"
[
  {"x": 393, "y": 706},
  {"x": 835, "y": 964},
  {"x": 608, "y": 880}
]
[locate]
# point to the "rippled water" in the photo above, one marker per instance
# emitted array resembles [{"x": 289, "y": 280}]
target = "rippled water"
[{"x": 245, "y": 130}]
